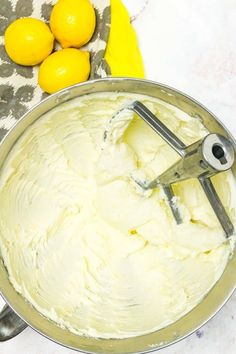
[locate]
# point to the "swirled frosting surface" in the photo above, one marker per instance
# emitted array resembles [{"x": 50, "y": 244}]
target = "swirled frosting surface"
[{"x": 83, "y": 243}]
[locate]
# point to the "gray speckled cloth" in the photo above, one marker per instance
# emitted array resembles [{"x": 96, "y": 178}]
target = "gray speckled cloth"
[{"x": 18, "y": 84}]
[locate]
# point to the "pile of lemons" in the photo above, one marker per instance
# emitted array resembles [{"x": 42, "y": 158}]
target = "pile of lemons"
[{"x": 29, "y": 41}]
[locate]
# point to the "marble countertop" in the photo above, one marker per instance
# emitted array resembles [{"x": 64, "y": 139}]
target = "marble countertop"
[{"x": 190, "y": 45}]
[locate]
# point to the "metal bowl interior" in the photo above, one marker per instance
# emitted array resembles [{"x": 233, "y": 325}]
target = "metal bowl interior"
[{"x": 212, "y": 302}]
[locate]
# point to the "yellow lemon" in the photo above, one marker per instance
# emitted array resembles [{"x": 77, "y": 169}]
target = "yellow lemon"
[
  {"x": 64, "y": 68},
  {"x": 28, "y": 41},
  {"x": 73, "y": 22}
]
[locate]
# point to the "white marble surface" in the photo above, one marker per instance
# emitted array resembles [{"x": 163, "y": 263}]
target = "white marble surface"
[{"x": 190, "y": 45}]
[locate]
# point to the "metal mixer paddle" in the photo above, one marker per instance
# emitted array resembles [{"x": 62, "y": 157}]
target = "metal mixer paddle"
[{"x": 203, "y": 159}]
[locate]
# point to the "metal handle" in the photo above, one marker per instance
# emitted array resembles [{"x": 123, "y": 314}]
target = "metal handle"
[
  {"x": 10, "y": 324},
  {"x": 159, "y": 127},
  {"x": 205, "y": 158},
  {"x": 201, "y": 160},
  {"x": 217, "y": 206}
]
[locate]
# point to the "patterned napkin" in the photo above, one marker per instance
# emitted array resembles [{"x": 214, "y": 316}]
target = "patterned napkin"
[{"x": 18, "y": 84}]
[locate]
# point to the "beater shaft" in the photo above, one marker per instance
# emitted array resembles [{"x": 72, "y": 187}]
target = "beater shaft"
[{"x": 202, "y": 159}]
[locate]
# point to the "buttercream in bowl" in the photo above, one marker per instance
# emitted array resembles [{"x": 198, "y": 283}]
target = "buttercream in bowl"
[{"x": 80, "y": 240}]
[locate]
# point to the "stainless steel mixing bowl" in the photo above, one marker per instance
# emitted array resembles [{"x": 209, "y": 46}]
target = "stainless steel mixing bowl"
[{"x": 11, "y": 324}]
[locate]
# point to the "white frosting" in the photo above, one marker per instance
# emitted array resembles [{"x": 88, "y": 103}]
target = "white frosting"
[{"x": 83, "y": 244}]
